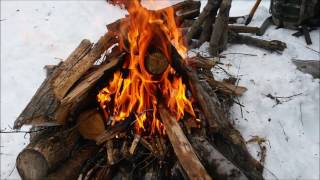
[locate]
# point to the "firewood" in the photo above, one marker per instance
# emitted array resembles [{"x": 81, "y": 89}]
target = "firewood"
[
  {"x": 134, "y": 144},
  {"x": 177, "y": 172},
  {"x": 220, "y": 29},
  {"x": 42, "y": 156},
  {"x": 112, "y": 131},
  {"x": 109, "y": 147},
  {"x": 197, "y": 62},
  {"x": 43, "y": 107},
  {"x": 182, "y": 146},
  {"x": 218, "y": 166},
  {"x": 273, "y": 45},
  {"x": 71, "y": 168},
  {"x": 90, "y": 124},
  {"x": 243, "y": 29},
  {"x": 156, "y": 63},
  {"x": 227, "y": 88},
  {"x": 79, "y": 93},
  {"x": 209, "y": 10}
]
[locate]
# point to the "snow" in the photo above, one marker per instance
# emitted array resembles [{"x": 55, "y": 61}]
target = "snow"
[{"x": 37, "y": 33}]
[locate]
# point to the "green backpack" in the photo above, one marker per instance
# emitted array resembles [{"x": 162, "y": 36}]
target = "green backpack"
[{"x": 293, "y": 13}]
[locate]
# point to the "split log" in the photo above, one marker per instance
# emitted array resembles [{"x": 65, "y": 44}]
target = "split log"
[
  {"x": 71, "y": 101},
  {"x": 71, "y": 168},
  {"x": 182, "y": 146},
  {"x": 156, "y": 63},
  {"x": 43, "y": 107},
  {"x": 273, "y": 45},
  {"x": 40, "y": 157},
  {"x": 218, "y": 166},
  {"x": 218, "y": 38}
]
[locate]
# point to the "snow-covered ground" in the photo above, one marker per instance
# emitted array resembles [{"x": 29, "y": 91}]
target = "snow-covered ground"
[{"x": 36, "y": 33}]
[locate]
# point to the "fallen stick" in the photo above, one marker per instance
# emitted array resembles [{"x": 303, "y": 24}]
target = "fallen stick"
[
  {"x": 273, "y": 45},
  {"x": 182, "y": 146}
]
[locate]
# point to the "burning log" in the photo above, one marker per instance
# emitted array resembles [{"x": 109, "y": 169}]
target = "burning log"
[
  {"x": 113, "y": 131},
  {"x": 218, "y": 165},
  {"x": 46, "y": 154},
  {"x": 156, "y": 63},
  {"x": 182, "y": 146},
  {"x": 43, "y": 107},
  {"x": 71, "y": 168}
]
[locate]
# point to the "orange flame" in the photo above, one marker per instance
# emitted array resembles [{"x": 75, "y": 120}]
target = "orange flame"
[{"x": 137, "y": 91}]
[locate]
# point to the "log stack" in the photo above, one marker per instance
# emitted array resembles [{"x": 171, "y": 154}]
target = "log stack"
[{"x": 72, "y": 139}]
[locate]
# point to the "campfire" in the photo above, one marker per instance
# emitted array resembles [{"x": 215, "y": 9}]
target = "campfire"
[{"x": 134, "y": 105}]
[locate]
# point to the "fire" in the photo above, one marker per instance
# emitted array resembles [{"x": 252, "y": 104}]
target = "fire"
[{"x": 136, "y": 91}]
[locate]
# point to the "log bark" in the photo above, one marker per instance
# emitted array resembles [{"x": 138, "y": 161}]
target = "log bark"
[
  {"x": 43, "y": 107},
  {"x": 44, "y": 155},
  {"x": 273, "y": 45},
  {"x": 71, "y": 168},
  {"x": 219, "y": 33},
  {"x": 218, "y": 166},
  {"x": 182, "y": 146}
]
